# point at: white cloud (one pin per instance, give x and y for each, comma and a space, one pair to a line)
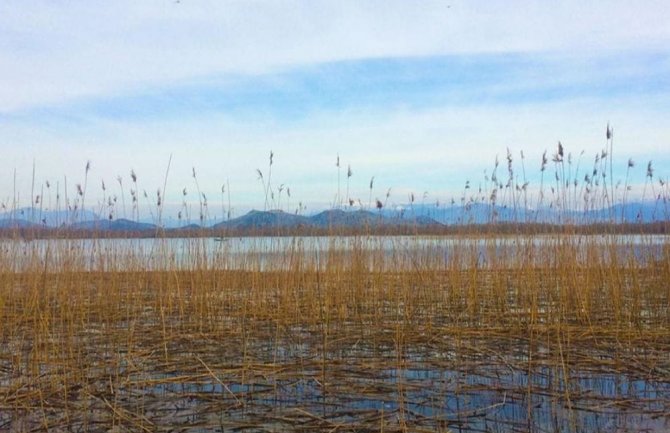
53, 52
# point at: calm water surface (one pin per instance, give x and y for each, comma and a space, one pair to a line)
263, 253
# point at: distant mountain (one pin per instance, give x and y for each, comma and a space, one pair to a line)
400, 217
482, 213
265, 219
475, 213
635, 212
113, 225
339, 218
9, 223
420, 220
328, 219
52, 218
363, 218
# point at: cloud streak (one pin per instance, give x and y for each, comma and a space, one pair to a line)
61, 52
422, 98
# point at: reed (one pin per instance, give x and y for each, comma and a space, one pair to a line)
476, 331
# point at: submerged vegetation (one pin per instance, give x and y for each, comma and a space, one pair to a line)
475, 331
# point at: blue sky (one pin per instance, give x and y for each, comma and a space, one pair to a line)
422, 98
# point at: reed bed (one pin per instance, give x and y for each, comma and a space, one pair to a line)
491, 328
566, 333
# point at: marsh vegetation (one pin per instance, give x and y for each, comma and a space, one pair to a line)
468, 332
566, 334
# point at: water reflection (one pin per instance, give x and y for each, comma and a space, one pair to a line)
494, 398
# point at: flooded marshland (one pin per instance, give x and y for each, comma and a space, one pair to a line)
555, 334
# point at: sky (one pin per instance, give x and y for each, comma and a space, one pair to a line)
422, 96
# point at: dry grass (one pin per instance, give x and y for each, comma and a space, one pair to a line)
366, 335
470, 332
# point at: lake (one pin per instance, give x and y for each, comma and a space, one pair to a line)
274, 253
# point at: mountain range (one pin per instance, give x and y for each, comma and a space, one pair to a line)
328, 219
409, 216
